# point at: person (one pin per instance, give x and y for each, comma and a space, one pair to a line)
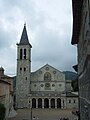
34, 118
37, 118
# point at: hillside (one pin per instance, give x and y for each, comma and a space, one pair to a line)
69, 75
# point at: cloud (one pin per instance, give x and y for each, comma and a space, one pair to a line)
49, 26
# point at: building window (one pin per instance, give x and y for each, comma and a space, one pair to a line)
47, 84
20, 53
20, 69
47, 68
60, 85
35, 85
74, 101
54, 72
26, 78
24, 69
24, 53
42, 85
53, 85
47, 76
69, 101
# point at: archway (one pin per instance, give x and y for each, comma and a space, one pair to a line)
58, 103
33, 103
52, 103
39, 103
46, 103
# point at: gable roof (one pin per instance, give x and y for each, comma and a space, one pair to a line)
47, 65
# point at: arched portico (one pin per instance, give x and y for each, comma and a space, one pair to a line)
46, 103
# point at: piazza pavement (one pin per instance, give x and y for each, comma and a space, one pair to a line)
43, 114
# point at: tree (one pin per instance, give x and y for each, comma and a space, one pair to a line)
2, 111
75, 85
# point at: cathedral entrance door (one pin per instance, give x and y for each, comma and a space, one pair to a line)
46, 103
33, 103
52, 103
58, 103
39, 103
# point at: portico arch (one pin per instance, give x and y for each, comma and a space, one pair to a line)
39, 103
46, 103
33, 103
52, 103
58, 103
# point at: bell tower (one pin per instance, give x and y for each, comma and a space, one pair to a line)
23, 70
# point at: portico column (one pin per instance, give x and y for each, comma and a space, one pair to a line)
42, 103
36, 103
49, 103
55, 102
30, 103
62, 103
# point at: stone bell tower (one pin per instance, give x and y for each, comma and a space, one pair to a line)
23, 70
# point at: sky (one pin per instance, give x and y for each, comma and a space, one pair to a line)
49, 29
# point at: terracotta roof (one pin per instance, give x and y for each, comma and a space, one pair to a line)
2, 81
69, 94
77, 9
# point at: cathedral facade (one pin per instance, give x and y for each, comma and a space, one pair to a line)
44, 88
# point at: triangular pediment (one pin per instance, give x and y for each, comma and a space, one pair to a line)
48, 67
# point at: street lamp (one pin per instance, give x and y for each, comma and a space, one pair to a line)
30, 110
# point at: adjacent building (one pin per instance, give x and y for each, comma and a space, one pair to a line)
81, 37
6, 91
43, 88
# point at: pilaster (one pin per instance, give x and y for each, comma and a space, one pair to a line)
49, 103
42, 103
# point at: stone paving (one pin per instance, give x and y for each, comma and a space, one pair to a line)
43, 114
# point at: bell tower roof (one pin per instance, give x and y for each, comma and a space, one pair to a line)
24, 37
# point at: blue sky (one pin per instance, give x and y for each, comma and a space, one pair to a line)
49, 28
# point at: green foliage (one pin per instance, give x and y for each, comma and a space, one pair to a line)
75, 85
2, 111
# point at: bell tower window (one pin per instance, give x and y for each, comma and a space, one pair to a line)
24, 69
20, 53
24, 53
20, 69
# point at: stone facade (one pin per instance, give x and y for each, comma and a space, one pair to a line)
44, 88
81, 36
4, 95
